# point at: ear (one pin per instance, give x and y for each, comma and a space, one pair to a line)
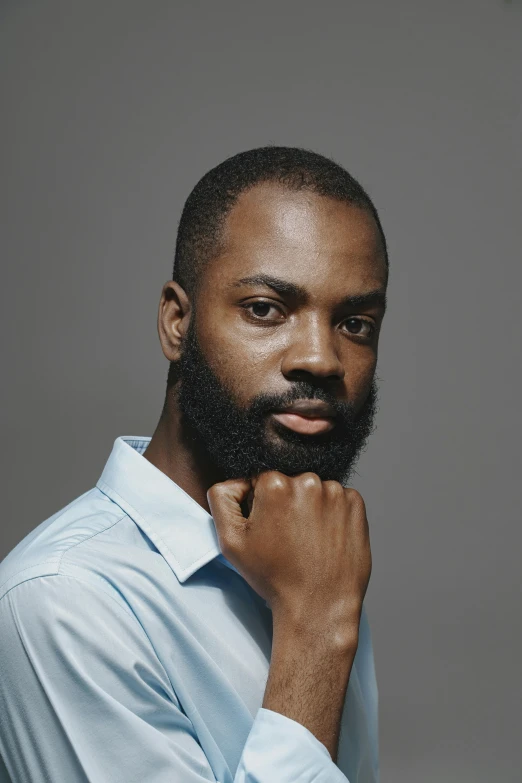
173, 319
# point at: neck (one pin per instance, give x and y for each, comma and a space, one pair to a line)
173, 451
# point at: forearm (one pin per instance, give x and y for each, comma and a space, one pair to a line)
308, 679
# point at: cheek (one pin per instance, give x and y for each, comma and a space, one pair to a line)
359, 370
362, 374
241, 367
365, 369
229, 345
363, 380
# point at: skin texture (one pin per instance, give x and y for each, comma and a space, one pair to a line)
271, 491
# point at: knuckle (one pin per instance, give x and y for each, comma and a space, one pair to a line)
212, 491
309, 480
357, 512
355, 498
216, 490
333, 488
273, 480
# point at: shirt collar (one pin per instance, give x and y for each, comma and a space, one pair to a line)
183, 532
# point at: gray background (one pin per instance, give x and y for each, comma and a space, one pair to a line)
111, 112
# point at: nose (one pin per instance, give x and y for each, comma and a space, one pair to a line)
313, 350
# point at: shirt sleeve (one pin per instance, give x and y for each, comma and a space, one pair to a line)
281, 750
84, 699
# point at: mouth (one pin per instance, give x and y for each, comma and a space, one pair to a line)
309, 425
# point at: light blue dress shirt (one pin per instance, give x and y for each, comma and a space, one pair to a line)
132, 652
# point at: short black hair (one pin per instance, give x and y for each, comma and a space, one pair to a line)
212, 198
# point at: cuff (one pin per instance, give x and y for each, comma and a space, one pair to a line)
281, 750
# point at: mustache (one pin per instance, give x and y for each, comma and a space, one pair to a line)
264, 404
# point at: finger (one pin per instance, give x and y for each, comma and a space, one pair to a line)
224, 500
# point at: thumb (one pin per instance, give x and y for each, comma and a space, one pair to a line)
224, 499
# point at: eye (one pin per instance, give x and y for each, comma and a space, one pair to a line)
261, 306
361, 323
262, 309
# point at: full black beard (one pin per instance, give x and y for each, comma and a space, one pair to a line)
238, 441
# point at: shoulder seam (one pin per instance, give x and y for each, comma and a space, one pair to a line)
80, 581
56, 561
88, 538
21, 571
127, 612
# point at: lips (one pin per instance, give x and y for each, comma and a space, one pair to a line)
306, 416
310, 409
309, 425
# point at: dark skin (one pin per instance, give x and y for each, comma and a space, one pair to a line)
271, 525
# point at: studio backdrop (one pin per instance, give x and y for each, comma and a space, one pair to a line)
111, 111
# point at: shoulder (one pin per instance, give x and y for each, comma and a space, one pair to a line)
52, 544
69, 638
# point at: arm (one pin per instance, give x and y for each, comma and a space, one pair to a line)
304, 547
84, 699
308, 678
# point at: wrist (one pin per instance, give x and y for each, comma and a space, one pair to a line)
303, 629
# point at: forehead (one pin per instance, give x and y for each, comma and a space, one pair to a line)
300, 234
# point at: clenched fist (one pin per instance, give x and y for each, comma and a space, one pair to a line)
304, 547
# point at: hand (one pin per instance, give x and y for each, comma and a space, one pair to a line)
304, 547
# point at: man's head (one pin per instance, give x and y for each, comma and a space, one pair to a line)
303, 326
200, 230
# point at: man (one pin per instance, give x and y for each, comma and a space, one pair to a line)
199, 614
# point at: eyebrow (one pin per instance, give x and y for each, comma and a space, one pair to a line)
284, 287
